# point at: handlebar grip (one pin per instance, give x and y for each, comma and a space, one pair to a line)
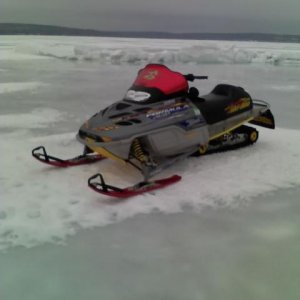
191, 77
201, 77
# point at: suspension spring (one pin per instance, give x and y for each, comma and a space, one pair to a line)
138, 151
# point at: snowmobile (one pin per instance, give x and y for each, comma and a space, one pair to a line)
160, 121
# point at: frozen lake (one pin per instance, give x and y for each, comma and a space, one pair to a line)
229, 230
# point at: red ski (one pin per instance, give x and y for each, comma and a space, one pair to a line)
98, 184
41, 155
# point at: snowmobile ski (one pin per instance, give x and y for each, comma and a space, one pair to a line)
98, 184
41, 155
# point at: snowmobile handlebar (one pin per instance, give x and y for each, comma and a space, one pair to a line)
192, 77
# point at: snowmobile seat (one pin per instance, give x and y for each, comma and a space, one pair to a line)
216, 105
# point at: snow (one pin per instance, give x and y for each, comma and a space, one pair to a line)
41, 204
38, 118
232, 219
141, 51
12, 87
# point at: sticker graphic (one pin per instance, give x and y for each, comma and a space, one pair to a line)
137, 95
167, 111
151, 75
238, 105
106, 128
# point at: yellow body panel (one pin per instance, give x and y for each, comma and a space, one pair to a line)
103, 151
229, 129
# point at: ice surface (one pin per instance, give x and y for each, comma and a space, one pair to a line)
224, 243
38, 118
249, 252
133, 51
11, 87
42, 204
8, 47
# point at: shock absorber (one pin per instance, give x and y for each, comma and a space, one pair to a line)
138, 151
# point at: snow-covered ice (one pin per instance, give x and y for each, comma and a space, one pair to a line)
120, 51
42, 204
47, 101
12, 87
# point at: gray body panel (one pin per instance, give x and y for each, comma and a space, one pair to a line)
167, 128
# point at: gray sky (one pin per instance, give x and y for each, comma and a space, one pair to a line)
274, 16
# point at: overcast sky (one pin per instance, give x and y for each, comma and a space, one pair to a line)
274, 16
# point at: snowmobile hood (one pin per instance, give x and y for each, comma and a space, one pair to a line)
157, 98
126, 119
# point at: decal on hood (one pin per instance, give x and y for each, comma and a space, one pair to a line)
167, 111
137, 95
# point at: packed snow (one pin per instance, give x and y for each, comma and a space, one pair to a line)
11, 87
41, 204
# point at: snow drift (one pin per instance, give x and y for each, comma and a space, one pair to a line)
141, 51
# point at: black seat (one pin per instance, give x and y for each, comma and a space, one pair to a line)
213, 105
228, 90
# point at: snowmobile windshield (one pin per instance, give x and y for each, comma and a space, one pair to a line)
155, 83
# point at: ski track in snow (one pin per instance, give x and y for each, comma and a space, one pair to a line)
41, 204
